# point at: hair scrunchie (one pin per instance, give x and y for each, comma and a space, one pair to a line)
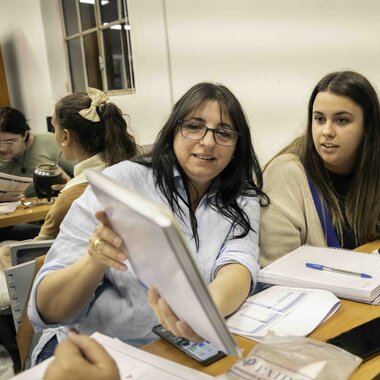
97, 98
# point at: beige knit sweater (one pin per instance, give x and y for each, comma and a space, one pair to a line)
291, 219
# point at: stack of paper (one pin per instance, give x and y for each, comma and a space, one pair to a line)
132, 363
293, 311
348, 274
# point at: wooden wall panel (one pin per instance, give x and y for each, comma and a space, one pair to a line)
4, 96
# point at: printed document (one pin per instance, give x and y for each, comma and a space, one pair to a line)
280, 309
12, 187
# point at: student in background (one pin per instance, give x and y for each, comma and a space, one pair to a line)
324, 187
202, 167
21, 151
92, 132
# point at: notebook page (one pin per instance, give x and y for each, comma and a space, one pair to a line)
292, 271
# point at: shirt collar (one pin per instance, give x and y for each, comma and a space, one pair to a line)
178, 182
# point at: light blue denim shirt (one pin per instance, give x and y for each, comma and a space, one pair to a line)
119, 306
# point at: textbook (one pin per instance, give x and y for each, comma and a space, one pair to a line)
348, 274
12, 187
158, 255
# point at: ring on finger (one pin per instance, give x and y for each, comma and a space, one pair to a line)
96, 244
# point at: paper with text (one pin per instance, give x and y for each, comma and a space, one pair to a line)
294, 311
12, 187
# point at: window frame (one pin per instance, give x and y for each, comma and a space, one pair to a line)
98, 29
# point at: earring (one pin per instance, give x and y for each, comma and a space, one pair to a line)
63, 144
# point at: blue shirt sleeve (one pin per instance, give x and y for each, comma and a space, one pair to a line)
244, 251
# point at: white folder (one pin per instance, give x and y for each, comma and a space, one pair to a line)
159, 255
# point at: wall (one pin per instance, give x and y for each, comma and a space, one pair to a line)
270, 53
22, 40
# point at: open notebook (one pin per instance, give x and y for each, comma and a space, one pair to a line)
159, 255
291, 270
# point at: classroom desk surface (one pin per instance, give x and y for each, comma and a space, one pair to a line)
349, 315
24, 214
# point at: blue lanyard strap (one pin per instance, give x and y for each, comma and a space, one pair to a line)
324, 217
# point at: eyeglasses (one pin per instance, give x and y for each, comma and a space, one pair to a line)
8, 143
195, 130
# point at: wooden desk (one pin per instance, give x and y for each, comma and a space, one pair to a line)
349, 315
24, 214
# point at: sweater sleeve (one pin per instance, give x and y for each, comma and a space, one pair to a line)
62, 204
283, 225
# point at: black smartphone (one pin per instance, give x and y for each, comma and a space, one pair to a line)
204, 352
363, 340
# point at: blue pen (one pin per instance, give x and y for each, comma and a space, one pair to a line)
336, 270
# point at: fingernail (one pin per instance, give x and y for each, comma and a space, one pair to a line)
122, 267
117, 242
66, 331
122, 256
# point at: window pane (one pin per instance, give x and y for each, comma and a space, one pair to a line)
107, 63
129, 80
91, 50
108, 11
70, 16
76, 65
87, 15
124, 12
117, 56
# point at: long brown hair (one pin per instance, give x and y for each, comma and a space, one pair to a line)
108, 137
362, 206
242, 176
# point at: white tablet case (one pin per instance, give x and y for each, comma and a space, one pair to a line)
159, 256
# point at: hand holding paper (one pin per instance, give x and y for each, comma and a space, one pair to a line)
105, 245
81, 357
168, 319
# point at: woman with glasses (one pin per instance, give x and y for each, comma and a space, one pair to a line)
21, 151
202, 167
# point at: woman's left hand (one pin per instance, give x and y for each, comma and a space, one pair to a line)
168, 319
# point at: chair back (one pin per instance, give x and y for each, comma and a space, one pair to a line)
19, 281
23, 251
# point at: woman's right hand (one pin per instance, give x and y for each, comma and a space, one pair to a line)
105, 246
81, 357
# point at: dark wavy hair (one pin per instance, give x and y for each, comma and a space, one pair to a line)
13, 121
108, 137
362, 206
242, 176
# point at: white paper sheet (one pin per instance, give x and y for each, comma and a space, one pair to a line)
132, 362
293, 311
